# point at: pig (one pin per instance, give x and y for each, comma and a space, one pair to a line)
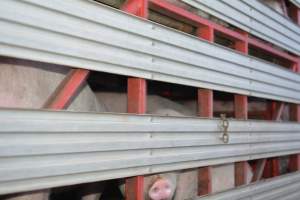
26, 84
172, 185
162, 186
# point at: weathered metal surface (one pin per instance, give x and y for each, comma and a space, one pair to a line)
42, 149
107, 40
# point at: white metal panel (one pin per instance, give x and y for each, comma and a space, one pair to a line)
279, 188
296, 2
40, 149
255, 18
85, 34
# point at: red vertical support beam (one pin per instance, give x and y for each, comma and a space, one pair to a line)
272, 164
271, 168
205, 103
294, 163
241, 106
134, 188
136, 7
204, 181
294, 12
206, 32
242, 45
240, 173
136, 101
136, 95
205, 109
241, 112
241, 101
67, 89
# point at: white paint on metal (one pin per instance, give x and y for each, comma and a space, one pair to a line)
279, 188
255, 18
89, 35
44, 149
296, 2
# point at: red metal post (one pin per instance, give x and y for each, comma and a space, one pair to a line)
242, 45
294, 163
240, 173
204, 181
67, 89
136, 95
136, 7
134, 188
294, 12
272, 164
136, 101
206, 32
271, 168
205, 103
241, 106
205, 109
241, 112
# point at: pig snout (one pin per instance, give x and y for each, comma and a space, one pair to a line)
161, 190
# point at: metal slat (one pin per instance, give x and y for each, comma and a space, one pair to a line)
296, 2
40, 149
255, 18
282, 187
104, 39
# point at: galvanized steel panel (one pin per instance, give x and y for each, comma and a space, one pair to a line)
280, 188
89, 35
40, 149
255, 18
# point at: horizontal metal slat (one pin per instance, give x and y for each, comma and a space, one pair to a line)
255, 18
282, 187
108, 40
296, 2
41, 149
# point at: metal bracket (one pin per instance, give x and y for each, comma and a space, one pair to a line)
224, 126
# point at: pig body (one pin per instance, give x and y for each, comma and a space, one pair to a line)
28, 85
164, 186
184, 183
